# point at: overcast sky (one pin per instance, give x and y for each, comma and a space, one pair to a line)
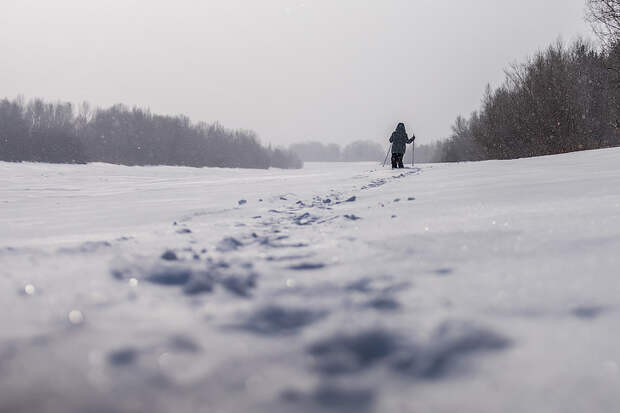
329, 70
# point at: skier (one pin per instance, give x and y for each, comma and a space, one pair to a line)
399, 140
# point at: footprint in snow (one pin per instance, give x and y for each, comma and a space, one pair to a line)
191, 276
307, 266
383, 304
305, 219
278, 320
123, 357
435, 358
169, 255
229, 244
588, 312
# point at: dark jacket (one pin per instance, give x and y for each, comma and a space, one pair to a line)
399, 139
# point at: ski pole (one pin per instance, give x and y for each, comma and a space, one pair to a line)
387, 154
412, 153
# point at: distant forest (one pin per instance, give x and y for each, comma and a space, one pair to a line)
566, 98
40, 131
358, 151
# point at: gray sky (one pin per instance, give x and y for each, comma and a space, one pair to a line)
329, 70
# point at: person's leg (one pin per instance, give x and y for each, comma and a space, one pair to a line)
394, 160
400, 160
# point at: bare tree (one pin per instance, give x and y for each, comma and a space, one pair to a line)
604, 16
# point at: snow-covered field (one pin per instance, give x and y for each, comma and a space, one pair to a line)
475, 287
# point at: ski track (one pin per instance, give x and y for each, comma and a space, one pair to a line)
280, 326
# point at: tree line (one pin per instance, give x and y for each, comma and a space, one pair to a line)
565, 98
358, 151
40, 131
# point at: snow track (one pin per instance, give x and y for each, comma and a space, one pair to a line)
475, 287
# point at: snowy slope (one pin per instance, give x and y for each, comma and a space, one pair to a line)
475, 287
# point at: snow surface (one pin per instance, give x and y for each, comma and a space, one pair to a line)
473, 287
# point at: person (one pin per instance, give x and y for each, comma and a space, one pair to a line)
399, 140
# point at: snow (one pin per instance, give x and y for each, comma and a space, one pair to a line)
477, 287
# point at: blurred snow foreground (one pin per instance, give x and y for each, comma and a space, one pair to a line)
476, 287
